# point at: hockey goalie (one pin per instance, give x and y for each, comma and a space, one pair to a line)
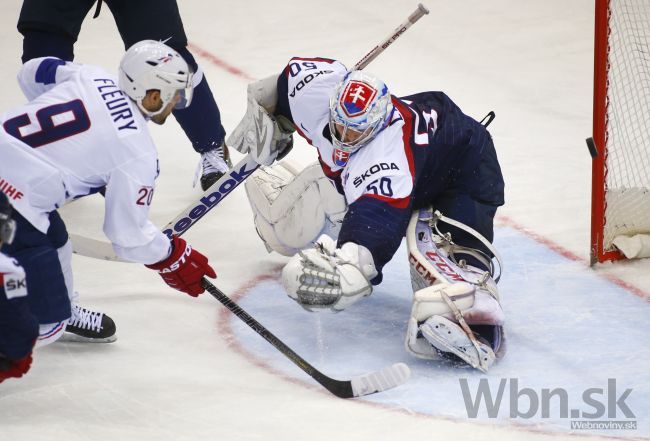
389, 168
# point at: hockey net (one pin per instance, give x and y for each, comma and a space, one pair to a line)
621, 169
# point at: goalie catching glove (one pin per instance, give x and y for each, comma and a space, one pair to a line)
184, 268
326, 277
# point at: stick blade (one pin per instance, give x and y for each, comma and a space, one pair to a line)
387, 378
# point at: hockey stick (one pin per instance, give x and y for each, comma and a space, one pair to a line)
210, 198
219, 190
415, 16
366, 384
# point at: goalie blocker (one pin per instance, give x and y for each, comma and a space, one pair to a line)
292, 209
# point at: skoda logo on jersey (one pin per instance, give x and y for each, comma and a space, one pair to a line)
340, 157
356, 98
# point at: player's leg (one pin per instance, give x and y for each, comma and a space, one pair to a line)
51, 27
474, 202
48, 295
474, 214
84, 325
456, 313
43, 257
18, 332
201, 121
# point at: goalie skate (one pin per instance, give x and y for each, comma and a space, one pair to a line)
447, 336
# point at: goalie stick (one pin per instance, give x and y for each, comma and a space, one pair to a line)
366, 384
210, 198
381, 47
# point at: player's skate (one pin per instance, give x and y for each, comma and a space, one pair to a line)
448, 336
456, 314
89, 326
213, 165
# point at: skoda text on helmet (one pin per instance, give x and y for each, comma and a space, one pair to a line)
360, 108
152, 65
7, 224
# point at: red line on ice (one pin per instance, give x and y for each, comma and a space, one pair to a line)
507, 221
209, 56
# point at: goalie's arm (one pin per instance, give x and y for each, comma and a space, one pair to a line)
377, 225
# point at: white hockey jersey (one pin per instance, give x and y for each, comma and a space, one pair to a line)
77, 134
430, 154
379, 169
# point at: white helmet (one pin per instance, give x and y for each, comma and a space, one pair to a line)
152, 65
361, 103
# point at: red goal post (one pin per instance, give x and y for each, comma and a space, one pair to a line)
620, 213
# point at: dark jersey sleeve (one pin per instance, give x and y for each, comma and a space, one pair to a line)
378, 226
282, 107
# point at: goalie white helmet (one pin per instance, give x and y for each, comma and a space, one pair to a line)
360, 108
152, 65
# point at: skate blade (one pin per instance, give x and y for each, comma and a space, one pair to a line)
69, 337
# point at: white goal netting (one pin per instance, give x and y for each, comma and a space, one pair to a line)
627, 175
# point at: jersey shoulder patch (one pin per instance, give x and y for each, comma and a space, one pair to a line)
12, 278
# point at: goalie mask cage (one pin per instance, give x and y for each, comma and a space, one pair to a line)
621, 126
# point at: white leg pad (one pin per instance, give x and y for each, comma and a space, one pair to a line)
293, 208
428, 302
434, 327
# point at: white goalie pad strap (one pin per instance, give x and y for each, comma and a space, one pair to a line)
326, 277
429, 264
258, 132
477, 235
292, 209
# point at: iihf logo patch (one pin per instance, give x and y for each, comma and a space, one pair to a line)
356, 98
340, 157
